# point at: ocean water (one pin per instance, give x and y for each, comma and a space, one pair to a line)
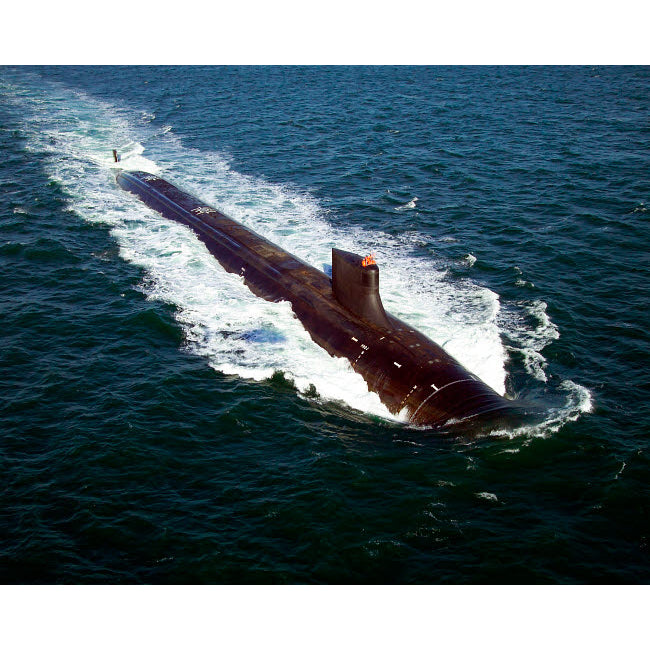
160, 424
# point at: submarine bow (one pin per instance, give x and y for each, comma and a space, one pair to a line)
413, 376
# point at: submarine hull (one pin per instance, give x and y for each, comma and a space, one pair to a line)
413, 376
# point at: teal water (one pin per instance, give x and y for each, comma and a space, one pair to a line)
160, 424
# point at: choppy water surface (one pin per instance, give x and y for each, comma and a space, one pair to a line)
159, 423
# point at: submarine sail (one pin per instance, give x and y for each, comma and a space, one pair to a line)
412, 375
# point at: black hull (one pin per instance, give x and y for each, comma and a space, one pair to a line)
412, 375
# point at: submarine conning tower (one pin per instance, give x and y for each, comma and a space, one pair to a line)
356, 286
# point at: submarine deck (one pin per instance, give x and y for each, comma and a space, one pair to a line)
410, 372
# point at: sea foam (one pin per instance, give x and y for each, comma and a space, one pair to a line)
237, 332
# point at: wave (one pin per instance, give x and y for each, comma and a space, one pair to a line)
410, 205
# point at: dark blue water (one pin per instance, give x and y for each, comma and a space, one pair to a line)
158, 423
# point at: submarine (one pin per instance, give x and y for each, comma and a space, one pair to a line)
412, 375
